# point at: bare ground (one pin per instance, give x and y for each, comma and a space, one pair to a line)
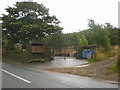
101, 70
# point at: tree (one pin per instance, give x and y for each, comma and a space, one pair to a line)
28, 21
75, 40
54, 41
83, 41
100, 34
113, 34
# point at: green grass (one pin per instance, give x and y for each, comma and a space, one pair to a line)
116, 68
92, 61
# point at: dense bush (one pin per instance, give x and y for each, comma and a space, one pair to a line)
24, 56
16, 55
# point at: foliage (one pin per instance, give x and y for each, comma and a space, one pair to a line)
116, 68
113, 34
28, 21
100, 35
118, 65
16, 55
72, 39
54, 41
83, 41
92, 61
75, 40
17, 47
101, 55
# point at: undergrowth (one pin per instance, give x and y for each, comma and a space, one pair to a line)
101, 54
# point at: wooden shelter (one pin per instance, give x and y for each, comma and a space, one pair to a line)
38, 50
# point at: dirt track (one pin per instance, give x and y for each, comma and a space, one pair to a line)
100, 70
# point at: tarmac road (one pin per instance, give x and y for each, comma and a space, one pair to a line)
16, 76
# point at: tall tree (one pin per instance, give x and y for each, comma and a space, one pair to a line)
100, 34
113, 34
54, 41
28, 21
83, 41
75, 40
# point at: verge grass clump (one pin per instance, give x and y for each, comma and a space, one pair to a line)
116, 68
112, 51
101, 54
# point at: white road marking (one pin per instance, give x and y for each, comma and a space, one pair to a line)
15, 76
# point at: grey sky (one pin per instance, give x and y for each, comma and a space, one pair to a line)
73, 14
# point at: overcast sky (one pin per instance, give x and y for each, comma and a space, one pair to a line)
74, 14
